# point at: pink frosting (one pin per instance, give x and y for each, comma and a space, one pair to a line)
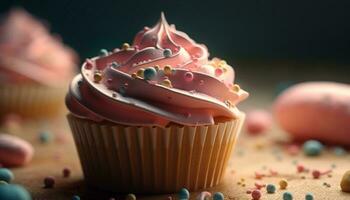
192, 91
28, 53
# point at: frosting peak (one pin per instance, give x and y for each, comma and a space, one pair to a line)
163, 77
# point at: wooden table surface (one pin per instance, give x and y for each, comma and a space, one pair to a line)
251, 154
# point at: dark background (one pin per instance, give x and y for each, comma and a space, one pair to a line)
308, 39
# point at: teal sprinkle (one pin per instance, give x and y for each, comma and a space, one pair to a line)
14, 192
270, 188
104, 52
149, 73
75, 197
312, 148
309, 196
339, 151
218, 196
184, 194
287, 196
6, 175
45, 136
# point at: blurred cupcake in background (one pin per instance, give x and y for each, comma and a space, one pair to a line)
35, 67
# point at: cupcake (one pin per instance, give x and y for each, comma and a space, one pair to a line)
35, 68
155, 116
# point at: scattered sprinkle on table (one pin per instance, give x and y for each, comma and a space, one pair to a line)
345, 182
75, 197
6, 175
283, 184
45, 136
184, 194
270, 188
66, 172
49, 182
256, 194
309, 196
287, 196
218, 196
312, 148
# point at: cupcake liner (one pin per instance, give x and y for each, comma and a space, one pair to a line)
32, 101
153, 159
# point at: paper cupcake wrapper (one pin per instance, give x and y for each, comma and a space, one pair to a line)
32, 101
153, 159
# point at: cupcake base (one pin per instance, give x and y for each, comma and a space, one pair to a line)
153, 159
31, 101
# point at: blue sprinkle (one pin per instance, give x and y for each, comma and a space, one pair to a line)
14, 192
6, 175
218, 196
312, 148
270, 188
104, 52
75, 197
287, 196
309, 196
167, 53
114, 64
45, 136
122, 90
149, 73
184, 194
339, 151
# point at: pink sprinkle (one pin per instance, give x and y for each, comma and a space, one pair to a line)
293, 149
88, 64
300, 168
218, 71
273, 172
316, 174
256, 194
259, 185
188, 76
259, 175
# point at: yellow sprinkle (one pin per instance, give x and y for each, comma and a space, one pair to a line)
236, 88
125, 46
156, 67
242, 179
134, 75
97, 77
283, 184
222, 63
167, 83
140, 72
167, 70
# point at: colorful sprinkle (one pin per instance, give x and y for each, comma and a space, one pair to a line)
140, 72
14, 192
256, 194
309, 196
76, 197
104, 52
130, 197
316, 174
218, 71
125, 46
345, 182
204, 195
149, 73
45, 136
283, 184
167, 53
97, 77
184, 194
312, 148
88, 64
339, 151
6, 175
188, 76
287, 196
114, 64
218, 196
66, 172
270, 188
3, 183
49, 182
167, 83
167, 70
236, 88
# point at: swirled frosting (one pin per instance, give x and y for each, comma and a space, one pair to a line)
163, 77
29, 54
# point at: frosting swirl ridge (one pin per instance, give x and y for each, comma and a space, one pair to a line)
163, 77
